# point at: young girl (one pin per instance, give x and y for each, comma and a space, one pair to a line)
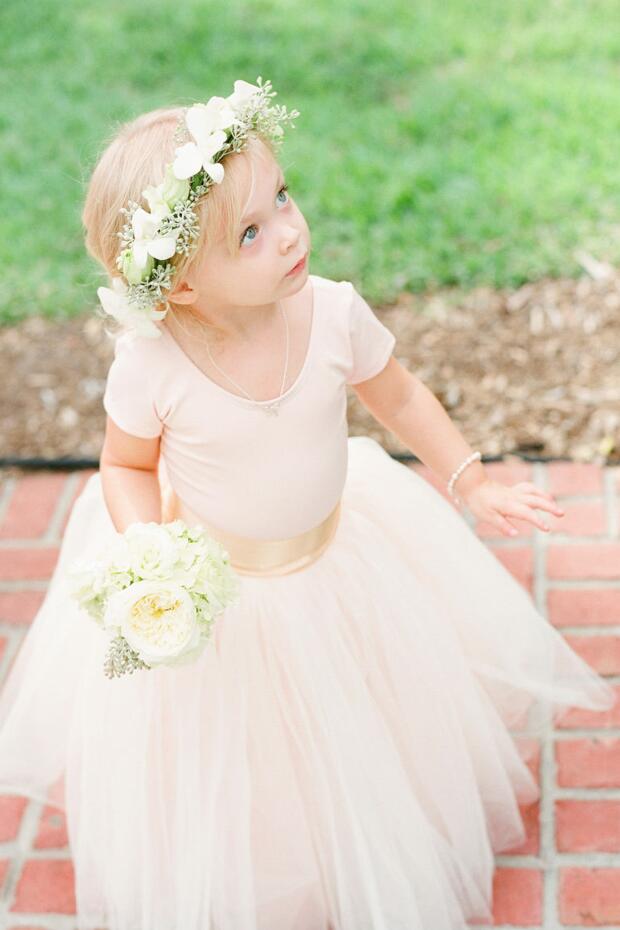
340, 755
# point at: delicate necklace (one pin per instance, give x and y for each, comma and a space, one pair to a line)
270, 407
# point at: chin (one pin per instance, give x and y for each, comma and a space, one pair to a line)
296, 282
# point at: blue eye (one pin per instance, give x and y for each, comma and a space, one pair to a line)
283, 188
253, 226
245, 233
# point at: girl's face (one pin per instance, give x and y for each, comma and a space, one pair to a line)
271, 238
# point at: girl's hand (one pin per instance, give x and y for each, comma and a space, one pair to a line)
494, 502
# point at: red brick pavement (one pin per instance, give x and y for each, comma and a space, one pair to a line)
567, 872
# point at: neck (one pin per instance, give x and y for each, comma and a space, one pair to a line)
234, 324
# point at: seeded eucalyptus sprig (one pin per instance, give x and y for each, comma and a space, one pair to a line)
121, 659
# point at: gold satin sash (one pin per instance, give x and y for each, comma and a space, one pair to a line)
250, 556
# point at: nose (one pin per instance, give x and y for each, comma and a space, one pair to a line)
289, 240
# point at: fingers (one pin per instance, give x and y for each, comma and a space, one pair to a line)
522, 502
542, 500
499, 520
541, 503
530, 488
524, 512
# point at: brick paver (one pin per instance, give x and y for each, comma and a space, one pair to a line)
566, 873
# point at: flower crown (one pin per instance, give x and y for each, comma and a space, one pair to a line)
149, 238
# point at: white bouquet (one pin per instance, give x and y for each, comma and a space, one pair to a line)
157, 591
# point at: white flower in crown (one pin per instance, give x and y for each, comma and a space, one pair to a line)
114, 301
242, 94
207, 124
147, 241
162, 198
150, 239
193, 156
130, 268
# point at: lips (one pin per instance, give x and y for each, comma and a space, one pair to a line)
298, 266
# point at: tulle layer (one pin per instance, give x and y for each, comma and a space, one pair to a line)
339, 758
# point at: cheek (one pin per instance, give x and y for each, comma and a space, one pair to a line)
255, 263
302, 222
295, 211
251, 254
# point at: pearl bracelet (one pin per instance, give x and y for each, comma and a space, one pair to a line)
459, 471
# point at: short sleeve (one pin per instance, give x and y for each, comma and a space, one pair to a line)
128, 397
372, 343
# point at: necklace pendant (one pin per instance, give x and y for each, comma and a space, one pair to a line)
271, 409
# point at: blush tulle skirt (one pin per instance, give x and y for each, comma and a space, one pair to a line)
348, 753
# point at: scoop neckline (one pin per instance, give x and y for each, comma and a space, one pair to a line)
240, 397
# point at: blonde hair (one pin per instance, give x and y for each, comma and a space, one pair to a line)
134, 157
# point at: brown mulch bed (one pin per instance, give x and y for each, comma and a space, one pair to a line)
535, 370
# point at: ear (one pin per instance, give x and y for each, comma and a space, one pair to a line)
183, 294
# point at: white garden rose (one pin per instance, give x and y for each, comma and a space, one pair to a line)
151, 552
158, 620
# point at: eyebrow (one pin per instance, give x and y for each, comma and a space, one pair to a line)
251, 216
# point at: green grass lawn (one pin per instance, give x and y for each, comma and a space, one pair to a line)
439, 143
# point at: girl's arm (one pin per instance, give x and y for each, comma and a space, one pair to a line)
129, 479
400, 401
